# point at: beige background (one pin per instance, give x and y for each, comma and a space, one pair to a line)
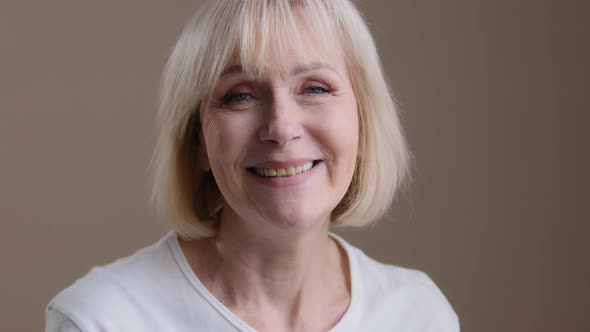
494, 97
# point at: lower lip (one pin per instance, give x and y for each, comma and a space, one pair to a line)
286, 181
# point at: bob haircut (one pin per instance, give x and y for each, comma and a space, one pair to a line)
256, 32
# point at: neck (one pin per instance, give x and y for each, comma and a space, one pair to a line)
282, 273
277, 265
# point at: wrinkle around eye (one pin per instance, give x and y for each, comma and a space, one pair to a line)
221, 105
236, 97
209, 119
317, 90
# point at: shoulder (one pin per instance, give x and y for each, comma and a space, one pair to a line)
121, 291
56, 321
399, 295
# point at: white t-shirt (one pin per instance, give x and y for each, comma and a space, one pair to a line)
155, 289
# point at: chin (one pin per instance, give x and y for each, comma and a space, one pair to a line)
296, 221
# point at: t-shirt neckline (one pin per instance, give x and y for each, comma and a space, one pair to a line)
232, 318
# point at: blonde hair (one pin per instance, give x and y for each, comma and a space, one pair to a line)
254, 31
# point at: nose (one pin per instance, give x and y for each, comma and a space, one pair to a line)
282, 121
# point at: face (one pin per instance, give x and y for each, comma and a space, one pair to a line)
282, 146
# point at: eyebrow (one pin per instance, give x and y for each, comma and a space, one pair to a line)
231, 70
300, 69
297, 70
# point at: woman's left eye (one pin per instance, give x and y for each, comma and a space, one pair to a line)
317, 90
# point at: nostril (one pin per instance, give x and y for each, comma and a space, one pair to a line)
280, 132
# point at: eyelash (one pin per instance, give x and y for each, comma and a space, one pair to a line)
321, 88
238, 97
231, 98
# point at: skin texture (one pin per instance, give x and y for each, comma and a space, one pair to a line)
272, 262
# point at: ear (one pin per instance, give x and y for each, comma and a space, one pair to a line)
200, 150
203, 159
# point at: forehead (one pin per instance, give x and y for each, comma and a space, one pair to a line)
303, 39
296, 69
287, 66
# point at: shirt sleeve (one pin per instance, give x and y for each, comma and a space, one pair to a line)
56, 321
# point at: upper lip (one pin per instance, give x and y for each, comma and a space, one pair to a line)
283, 163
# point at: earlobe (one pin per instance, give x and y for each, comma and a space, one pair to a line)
203, 160
200, 151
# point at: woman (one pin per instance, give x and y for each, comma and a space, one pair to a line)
275, 123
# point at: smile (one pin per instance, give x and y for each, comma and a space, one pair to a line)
284, 172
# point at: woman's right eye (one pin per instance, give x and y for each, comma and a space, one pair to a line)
238, 97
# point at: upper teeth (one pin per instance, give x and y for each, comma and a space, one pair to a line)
290, 171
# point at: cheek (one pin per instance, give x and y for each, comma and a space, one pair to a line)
225, 135
338, 130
